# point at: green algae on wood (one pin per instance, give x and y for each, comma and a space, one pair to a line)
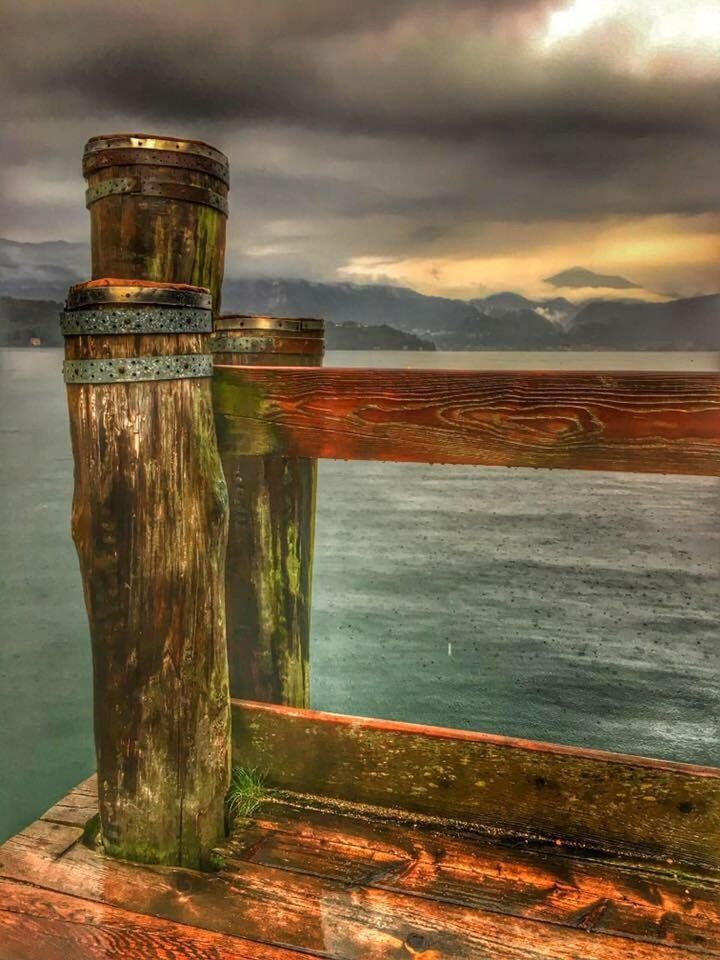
272, 523
150, 526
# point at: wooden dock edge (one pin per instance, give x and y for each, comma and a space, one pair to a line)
623, 804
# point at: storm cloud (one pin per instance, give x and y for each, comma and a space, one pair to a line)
397, 139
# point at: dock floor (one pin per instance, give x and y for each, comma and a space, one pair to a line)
300, 880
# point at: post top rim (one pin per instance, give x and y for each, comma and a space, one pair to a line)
248, 322
132, 282
151, 141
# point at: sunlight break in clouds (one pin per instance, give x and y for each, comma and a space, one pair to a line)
684, 252
687, 30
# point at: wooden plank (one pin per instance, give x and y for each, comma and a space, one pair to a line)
338, 921
37, 923
359, 923
646, 807
645, 422
79, 806
628, 899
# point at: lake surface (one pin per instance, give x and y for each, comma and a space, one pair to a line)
576, 607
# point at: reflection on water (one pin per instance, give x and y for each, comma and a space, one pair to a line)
574, 607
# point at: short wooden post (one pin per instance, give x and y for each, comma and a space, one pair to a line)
150, 524
272, 525
158, 209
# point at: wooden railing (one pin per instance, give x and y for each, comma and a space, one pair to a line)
150, 518
643, 422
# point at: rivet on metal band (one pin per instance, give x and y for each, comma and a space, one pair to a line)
136, 369
241, 344
190, 193
84, 296
140, 319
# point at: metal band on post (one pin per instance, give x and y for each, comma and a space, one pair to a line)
120, 149
139, 319
134, 369
131, 293
241, 323
241, 344
171, 190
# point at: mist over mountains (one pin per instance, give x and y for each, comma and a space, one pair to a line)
34, 278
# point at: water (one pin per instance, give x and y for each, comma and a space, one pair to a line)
567, 606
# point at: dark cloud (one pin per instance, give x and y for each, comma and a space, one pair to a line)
394, 127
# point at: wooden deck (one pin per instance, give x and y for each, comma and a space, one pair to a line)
306, 879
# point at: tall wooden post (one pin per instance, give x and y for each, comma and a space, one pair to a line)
272, 526
150, 524
158, 209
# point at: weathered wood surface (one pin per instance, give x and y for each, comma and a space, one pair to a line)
645, 422
608, 801
77, 808
344, 889
550, 885
270, 542
38, 924
149, 522
177, 239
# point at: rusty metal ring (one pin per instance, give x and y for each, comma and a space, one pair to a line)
140, 141
139, 186
241, 323
136, 369
241, 344
142, 318
168, 296
124, 157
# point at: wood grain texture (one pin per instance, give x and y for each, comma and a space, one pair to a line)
338, 920
79, 806
621, 804
270, 550
645, 422
347, 888
38, 924
553, 884
149, 522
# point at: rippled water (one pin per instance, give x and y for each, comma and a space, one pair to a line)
568, 606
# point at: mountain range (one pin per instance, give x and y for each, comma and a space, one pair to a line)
34, 277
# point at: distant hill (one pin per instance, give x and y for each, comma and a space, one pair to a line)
689, 324
34, 277
21, 320
24, 320
42, 271
500, 304
580, 277
368, 304
354, 336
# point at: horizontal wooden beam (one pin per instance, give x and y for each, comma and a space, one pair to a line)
644, 422
607, 801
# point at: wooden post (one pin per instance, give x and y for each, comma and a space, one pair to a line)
272, 526
150, 524
158, 209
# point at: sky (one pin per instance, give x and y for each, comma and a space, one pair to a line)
460, 148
